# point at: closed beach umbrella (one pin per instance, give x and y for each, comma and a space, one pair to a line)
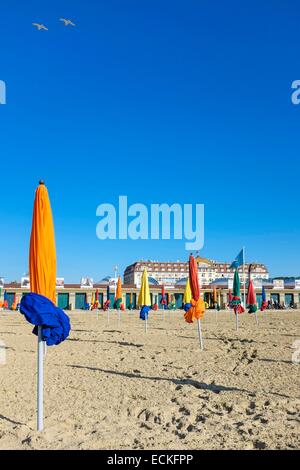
39, 307
197, 309
215, 296
97, 298
236, 297
251, 298
163, 297
264, 303
187, 296
42, 254
118, 300
5, 300
144, 299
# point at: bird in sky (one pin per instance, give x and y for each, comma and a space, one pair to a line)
40, 26
67, 22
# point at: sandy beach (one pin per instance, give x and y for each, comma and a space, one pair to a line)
113, 387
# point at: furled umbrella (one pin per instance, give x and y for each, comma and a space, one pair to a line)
107, 303
144, 299
251, 298
52, 325
97, 302
187, 296
264, 302
236, 298
118, 300
14, 304
197, 309
5, 300
163, 300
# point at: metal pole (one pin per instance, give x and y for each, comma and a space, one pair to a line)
146, 323
236, 320
40, 417
200, 334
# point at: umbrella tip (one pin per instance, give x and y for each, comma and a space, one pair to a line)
41, 182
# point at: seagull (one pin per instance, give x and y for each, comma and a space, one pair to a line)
40, 26
67, 22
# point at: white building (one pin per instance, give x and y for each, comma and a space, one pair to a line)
170, 273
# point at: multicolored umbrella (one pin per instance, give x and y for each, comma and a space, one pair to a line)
144, 299
197, 309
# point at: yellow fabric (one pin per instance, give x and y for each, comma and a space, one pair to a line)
187, 293
196, 311
144, 295
42, 252
119, 289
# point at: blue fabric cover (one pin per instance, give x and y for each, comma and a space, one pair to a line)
187, 307
144, 312
40, 311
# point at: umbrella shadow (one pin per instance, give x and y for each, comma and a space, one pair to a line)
199, 385
111, 331
275, 360
84, 340
125, 343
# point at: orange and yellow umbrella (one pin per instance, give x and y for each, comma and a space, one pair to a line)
197, 308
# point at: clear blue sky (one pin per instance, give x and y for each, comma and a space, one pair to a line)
163, 101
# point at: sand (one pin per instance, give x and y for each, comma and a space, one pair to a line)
113, 387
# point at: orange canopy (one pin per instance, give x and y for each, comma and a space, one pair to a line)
42, 252
119, 289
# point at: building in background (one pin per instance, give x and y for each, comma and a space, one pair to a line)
171, 273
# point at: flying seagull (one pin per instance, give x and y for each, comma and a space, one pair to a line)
67, 22
40, 26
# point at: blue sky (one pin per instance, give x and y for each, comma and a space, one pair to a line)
162, 101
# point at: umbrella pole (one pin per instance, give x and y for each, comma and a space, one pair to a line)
119, 317
256, 318
108, 316
236, 321
146, 323
40, 419
200, 334
216, 315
